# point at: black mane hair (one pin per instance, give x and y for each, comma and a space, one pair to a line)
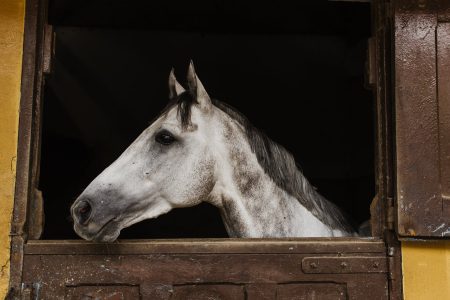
276, 161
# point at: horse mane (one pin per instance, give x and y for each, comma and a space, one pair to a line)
276, 161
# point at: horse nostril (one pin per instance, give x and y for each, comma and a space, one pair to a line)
84, 210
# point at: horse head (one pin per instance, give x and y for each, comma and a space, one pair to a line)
169, 165
197, 150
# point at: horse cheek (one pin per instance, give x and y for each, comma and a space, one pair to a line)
199, 181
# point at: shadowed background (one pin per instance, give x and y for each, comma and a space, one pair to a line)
296, 71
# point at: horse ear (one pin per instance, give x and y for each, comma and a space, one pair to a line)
196, 87
174, 87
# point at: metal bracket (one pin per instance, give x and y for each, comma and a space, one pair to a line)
344, 265
392, 263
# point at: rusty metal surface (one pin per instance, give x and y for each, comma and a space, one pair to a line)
344, 264
218, 273
198, 246
421, 136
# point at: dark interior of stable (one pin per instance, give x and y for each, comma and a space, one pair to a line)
296, 70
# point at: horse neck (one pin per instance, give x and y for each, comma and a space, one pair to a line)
251, 204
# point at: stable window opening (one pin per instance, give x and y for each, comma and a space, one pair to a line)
297, 72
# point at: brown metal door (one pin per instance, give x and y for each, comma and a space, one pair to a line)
422, 88
205, 269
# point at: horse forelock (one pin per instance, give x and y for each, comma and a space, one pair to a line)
276, 161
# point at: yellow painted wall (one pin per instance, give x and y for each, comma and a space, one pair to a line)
426, 270
11, 44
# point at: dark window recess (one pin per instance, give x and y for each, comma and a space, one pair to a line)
110, 75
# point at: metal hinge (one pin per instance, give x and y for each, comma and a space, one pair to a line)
344, 265
391, 263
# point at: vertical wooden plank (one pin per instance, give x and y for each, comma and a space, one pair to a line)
383, 207
417, 120
28, 136
443, 72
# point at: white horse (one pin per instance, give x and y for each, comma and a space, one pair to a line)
197, 150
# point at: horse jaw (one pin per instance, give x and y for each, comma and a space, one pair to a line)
156, 210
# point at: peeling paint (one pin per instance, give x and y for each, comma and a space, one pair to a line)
3, 267
439, 227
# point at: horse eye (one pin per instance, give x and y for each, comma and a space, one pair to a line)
165, 138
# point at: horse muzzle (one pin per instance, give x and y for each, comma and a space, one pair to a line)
83, 214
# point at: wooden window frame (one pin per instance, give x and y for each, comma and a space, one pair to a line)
27, 219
